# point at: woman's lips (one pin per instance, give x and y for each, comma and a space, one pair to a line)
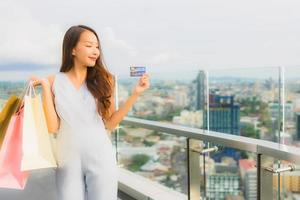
92, 58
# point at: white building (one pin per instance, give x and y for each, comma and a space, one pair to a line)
189, 118
181, 99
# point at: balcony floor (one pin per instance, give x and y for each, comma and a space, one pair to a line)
40, 185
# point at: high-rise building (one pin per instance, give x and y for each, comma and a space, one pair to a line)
181, 99
275, 110
224, 115
201, 84
248, 174
250, 184
289, 181
197, 90
219, 186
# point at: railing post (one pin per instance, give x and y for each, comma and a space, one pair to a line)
264, 178
193, 166
258, 179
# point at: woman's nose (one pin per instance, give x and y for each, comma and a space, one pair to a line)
96, 51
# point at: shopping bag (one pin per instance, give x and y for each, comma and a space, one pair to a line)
36, 145
11, 175
6, 114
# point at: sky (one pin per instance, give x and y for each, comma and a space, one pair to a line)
166, 36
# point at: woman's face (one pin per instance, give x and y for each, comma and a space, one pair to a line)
87, 50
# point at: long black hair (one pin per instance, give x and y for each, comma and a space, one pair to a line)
99, 80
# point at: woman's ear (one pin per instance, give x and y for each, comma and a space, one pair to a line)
73, 52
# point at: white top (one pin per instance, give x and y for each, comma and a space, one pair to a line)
82, 131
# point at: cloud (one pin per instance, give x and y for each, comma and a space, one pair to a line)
161, 58
26, 39
118, 53
180, 37
117, 44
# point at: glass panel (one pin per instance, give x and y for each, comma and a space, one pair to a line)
177, 98
291, 134
229, 174
289, 182
158, 156
245, 102
289, 185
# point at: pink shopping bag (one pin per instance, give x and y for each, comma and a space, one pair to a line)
11, 175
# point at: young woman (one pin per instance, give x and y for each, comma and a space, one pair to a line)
79, 106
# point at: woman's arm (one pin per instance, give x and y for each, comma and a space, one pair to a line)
51, 116
117, 116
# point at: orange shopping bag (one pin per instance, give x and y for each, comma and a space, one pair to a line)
11, 175
7, 112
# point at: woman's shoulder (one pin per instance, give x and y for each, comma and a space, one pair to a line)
51, 79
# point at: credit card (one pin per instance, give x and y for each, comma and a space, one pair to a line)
137, 71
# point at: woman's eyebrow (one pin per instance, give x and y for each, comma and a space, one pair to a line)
91, 42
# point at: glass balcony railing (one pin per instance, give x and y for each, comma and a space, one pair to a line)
218, 165
251, 107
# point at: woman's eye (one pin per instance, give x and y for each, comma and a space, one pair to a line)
91, 46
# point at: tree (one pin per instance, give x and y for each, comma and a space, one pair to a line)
148, 143
137, 161
249, 131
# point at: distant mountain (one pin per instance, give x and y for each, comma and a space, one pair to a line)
232, 78
22, 66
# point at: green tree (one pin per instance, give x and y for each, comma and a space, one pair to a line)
148, 143
137, 161
249, 131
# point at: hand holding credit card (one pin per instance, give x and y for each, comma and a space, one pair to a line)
137, 71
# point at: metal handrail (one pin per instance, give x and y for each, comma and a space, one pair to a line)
275, 150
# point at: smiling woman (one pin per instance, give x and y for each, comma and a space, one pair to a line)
79, 106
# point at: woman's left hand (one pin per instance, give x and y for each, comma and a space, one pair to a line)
142, 84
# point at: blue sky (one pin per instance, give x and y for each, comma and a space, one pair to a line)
164, 35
